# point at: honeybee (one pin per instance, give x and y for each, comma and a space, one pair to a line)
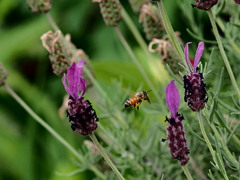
137, 99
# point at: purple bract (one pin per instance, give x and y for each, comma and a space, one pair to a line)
76, 84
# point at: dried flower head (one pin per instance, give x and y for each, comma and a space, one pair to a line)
175, 130
59, 58
152, 23
167, 52
3, 75
111, 11
39, 6
137, 4
195, 89
204, 4
81, 113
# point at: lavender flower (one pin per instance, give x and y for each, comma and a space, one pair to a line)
195, 89
204, 4
175, 129
81, 114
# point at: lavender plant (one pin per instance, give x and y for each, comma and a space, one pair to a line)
125, 143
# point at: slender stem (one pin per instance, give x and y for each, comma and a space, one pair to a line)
105, 156
170, 32
204, 134
231, 42
49, 129
136, 62
187, 173
135, 32
222, 51
224, 146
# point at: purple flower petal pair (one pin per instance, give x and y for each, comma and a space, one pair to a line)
197, 58
75, 84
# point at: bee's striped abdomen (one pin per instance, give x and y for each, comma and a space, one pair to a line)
131, 101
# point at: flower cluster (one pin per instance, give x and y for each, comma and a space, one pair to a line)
195, 89
205, 4
81, 113
39, 6
152, 23
111, 11
175, 130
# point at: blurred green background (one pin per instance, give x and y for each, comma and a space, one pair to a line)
27, 151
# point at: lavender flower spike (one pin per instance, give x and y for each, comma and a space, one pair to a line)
175, 130
81, 114
172, 98
76, 82
195, 89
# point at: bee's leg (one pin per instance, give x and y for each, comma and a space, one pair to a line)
163, 140
137, 105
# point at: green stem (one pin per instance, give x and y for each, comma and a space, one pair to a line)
224, 146
136, 62
222, 51
187, 173
231, 42
204, 134
49, 129
105, 156
135, 32
170, 32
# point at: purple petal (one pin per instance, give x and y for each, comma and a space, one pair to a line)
198, 55
172, 98
187, 56
65, 84
82, 86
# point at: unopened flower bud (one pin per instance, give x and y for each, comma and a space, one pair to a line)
205, 4
152, 23
3, 75
111, 11
39, 6
137, 4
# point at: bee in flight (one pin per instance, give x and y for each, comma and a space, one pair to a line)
137, 99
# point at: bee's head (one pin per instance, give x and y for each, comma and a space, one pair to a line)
145, 93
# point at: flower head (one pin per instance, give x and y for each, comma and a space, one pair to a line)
172, 98
204, 4
175, 130
195, 88
76, 84
81, 114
